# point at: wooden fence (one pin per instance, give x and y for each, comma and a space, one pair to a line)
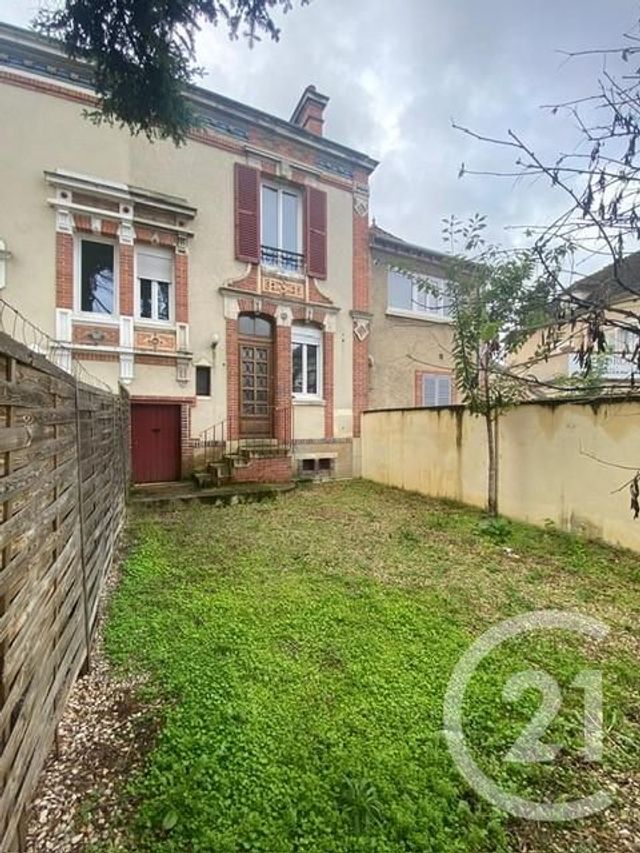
63, 476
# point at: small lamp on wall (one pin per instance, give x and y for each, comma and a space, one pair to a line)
215, 340
4, 257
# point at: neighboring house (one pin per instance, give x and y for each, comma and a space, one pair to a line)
559, 368
411, 361
226, 283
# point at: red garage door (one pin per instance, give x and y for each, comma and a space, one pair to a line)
155, 442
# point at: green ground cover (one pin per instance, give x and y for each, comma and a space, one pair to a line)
304, 646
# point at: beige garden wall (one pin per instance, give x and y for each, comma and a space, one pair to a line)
547, 464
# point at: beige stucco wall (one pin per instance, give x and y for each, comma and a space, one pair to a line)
400, 346
41, 133
547, 469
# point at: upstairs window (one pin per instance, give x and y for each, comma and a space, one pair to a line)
306, 358
412, 297
436, 389
97, 277
281, 237
154, 271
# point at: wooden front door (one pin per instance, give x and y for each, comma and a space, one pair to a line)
155, 442
256, 388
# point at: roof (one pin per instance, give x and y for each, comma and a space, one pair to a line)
385, 241
609, 285
26, 51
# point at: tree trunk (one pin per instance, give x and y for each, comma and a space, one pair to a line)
492, 469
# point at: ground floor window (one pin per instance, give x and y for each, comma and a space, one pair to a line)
436, 389
203, 381
306, 360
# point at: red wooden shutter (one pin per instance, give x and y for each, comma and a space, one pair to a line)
247, 215
316, 237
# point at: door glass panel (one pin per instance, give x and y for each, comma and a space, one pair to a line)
254, 327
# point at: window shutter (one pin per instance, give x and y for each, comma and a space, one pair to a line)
247, 213
429, 391
444, 391
316, 236
436, 390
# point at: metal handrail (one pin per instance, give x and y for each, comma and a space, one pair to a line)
216, 443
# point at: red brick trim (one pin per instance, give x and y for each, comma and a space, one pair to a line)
283, 388
182, 288
187, 401
328, 373
125, 279
156, 360
84, 355
361, 291
276, 469
233, 381
64, 270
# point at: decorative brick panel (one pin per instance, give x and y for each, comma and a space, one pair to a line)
64, 270
329, 379
182, 288
98, 335
157, 341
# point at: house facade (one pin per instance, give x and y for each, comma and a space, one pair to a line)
551, 358
411, 361
226, 282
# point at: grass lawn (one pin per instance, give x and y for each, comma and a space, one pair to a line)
304, 646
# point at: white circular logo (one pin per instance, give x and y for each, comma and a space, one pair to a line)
528, 748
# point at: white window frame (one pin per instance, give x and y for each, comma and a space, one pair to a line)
438, 313
153, 320
108, 319
281, 190
438, 378
308, 335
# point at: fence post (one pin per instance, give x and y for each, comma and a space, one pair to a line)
83, 566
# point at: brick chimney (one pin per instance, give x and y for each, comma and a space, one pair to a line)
309, 113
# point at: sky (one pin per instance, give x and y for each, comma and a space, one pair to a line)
399, 73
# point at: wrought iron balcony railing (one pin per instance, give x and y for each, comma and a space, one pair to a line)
279, 259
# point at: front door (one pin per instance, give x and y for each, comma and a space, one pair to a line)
256, 380
155, 442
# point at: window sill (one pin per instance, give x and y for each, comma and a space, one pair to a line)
308, 401
153, 324
414, 315
89, 317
